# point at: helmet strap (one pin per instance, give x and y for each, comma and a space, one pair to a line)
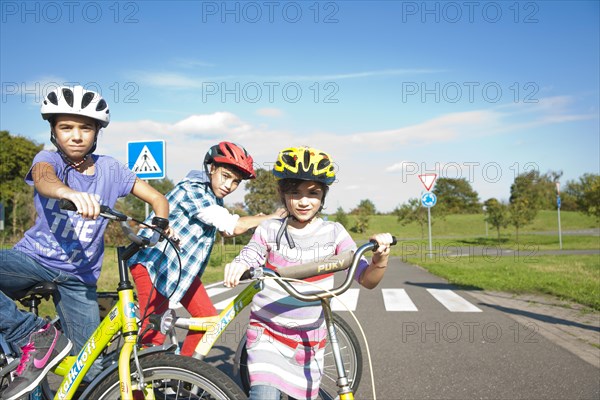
71, 163
284, 231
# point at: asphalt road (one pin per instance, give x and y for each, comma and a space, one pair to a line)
430, 341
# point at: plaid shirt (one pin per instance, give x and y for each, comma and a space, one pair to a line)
186, 199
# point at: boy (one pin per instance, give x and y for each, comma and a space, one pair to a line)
197, 213
66, 247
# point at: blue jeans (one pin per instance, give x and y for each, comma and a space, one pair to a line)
16, 325
76, 302
264, 392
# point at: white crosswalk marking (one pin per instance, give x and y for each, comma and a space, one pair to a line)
452, 301
397, 300
216, 290
394, 300
350, 299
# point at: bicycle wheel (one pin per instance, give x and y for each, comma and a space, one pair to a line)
351, 354
175, 377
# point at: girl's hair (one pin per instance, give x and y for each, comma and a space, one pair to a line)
288, 185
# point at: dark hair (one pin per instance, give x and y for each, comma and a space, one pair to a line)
232, 168
290, 184
52, 122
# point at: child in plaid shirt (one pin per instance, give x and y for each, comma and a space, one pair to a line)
197, 212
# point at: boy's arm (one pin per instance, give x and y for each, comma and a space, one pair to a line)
148, 194
232, 224
48, 185
252, 221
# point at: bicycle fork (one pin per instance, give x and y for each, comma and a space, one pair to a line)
344, 391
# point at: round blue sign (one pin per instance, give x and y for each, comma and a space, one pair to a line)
428, 199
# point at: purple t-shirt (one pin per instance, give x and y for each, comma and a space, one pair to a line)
64, 240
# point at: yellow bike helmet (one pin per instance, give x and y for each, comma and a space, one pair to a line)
305, 163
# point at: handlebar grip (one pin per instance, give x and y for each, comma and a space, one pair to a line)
162, 223
247, 274
68, 205
105, 211
375, 244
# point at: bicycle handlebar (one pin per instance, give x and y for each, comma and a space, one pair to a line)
333, 264
114, 215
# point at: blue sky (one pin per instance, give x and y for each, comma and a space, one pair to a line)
392, 89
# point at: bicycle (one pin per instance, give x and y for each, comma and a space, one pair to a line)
154, 372
343, 354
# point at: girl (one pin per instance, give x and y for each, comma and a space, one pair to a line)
286, 337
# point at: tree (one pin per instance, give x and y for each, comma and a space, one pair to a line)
412, 211
365, 207
522, 212
496, 214
363, 217
340, 216
363, 213
17, 154
262, 194
134, 207
456, 196
586, 193
540, 190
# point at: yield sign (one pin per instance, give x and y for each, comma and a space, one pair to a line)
428, 180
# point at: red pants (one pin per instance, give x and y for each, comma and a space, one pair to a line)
195, 301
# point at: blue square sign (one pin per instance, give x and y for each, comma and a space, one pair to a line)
147, 159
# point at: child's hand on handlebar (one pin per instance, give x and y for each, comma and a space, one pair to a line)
87, 203
233, 272
382, 252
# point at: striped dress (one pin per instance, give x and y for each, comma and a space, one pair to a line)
286, 337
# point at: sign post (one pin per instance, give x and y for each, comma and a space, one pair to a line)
428, 200
1, 216
147, 160
558, 209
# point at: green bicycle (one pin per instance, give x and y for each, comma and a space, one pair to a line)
347, 342
153, 373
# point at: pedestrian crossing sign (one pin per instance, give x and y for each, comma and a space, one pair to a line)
147, 159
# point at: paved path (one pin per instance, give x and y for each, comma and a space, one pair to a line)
565, 323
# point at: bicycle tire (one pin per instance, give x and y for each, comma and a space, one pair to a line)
172, 376
351, 353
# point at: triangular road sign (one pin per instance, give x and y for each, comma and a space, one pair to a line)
428, 180
146, 163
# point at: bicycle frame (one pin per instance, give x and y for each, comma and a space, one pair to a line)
121, 318
216, 325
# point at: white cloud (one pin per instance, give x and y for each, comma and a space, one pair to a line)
172, 80
269, 112
365, 161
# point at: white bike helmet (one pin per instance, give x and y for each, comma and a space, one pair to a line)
77, 101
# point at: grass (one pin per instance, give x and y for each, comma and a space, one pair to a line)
569, 277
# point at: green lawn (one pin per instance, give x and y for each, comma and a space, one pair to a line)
569, 277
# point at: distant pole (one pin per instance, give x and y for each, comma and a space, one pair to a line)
558, 210
485, 219
429, 226
146, 206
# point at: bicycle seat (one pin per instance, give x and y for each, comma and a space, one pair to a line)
41, 290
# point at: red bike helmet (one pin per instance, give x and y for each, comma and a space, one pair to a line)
231, 154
